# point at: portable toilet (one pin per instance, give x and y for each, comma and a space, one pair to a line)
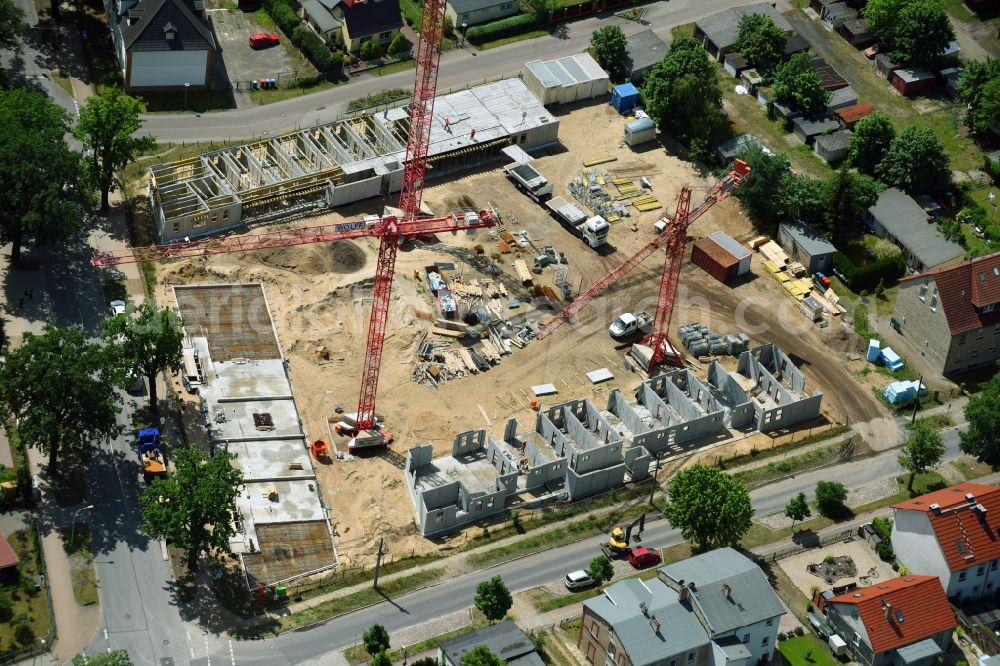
872, 354
639, 131
624, 97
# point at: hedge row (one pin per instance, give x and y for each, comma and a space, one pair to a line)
866, 278
514, 25
329, 63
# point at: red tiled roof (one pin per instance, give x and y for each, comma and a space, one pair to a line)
966, 536
8, 557
919, 610
965, 286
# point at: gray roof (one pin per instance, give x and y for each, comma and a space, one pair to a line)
845, 96
911, 74
466, 6
839, 10
795, 44
145, 26
903, 217
505, 640
733, 648
806, 237
856, 26
680, 629
320, 15
834, 141
812, 126
735, 146
919, 652
645, 49
723, 28
751, 598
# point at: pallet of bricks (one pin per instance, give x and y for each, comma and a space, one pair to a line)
700, 341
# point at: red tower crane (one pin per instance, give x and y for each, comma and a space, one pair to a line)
673, 237
390, 230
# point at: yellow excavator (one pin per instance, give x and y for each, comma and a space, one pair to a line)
618, 543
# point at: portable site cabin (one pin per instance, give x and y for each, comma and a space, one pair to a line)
639, 131
624, 97
565, 80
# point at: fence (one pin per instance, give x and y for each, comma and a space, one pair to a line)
979, 634
795, 549
40, 645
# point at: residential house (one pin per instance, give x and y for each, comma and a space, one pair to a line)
951, 534
719, 32
832, 148
951, 315
506, 640
161, 44
804, 245
906, 621
644, 50
712, 609
471, 12
898, 218
351, 23
8, 562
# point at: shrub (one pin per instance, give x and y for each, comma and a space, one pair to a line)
23, 633
895, 565
883, 528
864, 278
514, 25
884, 552
883, 249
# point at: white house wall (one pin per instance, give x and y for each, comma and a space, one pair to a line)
168, 68
755, 635
917, 548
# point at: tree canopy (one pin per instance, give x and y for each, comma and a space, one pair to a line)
916, 162
923, 451
13, 27
709, 507
682, 93
493, 599
830, 498
870, 141
979, 86
798, 508
113, 658
380, 659
762, 187
195, 506
62, 393
481, 655
601, 569
981, 437
916, 32
607, 45
44, 183
796, 84
399, 44
376, 639
106, 127
147, 341
762, 42
846, 195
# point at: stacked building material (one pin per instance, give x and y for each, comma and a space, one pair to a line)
701, 341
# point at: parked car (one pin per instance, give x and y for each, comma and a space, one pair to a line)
643, 557
262, 40
578, 580
117, 308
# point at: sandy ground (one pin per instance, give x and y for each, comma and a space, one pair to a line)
320, 297
862, 554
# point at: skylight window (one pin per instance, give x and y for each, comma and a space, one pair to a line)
899, 617
960, 546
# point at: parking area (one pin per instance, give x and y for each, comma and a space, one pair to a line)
242, 63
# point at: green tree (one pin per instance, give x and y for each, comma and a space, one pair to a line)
847, 194
870, 141
43, 183
107, 128
541, 8
376, 639
981, 437
493, 599
601, 569
762, 42
682, 93
882, 16
482, 655
194, 507
425, 661
399, 44
146, 341
62, 393
370, 50
979, 86
830, 498
923, 451
761, 189
380, 659
916, 162
922, 33
798, 508
801, 198
113, 658
13, 27
709, 507
607, 45
796, 84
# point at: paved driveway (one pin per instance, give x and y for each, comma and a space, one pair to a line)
242, 63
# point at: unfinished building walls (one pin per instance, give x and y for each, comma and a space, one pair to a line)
736, 402
594, 451
637, 461
776, 387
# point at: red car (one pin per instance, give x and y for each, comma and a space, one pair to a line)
643, 557
263, 39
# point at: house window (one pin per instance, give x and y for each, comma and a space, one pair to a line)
993, 565
764, 641
385, 36
507, 6
934, 301
961, 339
673, 662
746, 638
612, 650
975, 353
923, 292
961, 576
770, 621
225, 215
981, 570
989, 308
177, 227
690, 657
979, 334
464, 18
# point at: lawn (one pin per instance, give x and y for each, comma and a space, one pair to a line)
805, 651
790, 465
970, 468
82, 564
27, 618
260, 96
530, 34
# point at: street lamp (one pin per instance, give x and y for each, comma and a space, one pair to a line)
465, 26
72, 531
186, 87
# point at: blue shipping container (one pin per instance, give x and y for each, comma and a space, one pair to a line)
624, 98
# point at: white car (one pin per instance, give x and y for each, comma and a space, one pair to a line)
117, 308
579, 580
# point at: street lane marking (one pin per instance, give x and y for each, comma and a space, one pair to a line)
163, 550
232, 657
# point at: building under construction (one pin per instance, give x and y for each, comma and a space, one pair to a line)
341, 162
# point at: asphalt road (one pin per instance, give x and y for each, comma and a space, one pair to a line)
459, 67
29, 65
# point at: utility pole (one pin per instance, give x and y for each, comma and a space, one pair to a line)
916, 399
378, 560
652, 487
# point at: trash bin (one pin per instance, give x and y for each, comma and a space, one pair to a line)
253, 85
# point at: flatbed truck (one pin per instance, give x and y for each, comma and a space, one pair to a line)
593, 230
